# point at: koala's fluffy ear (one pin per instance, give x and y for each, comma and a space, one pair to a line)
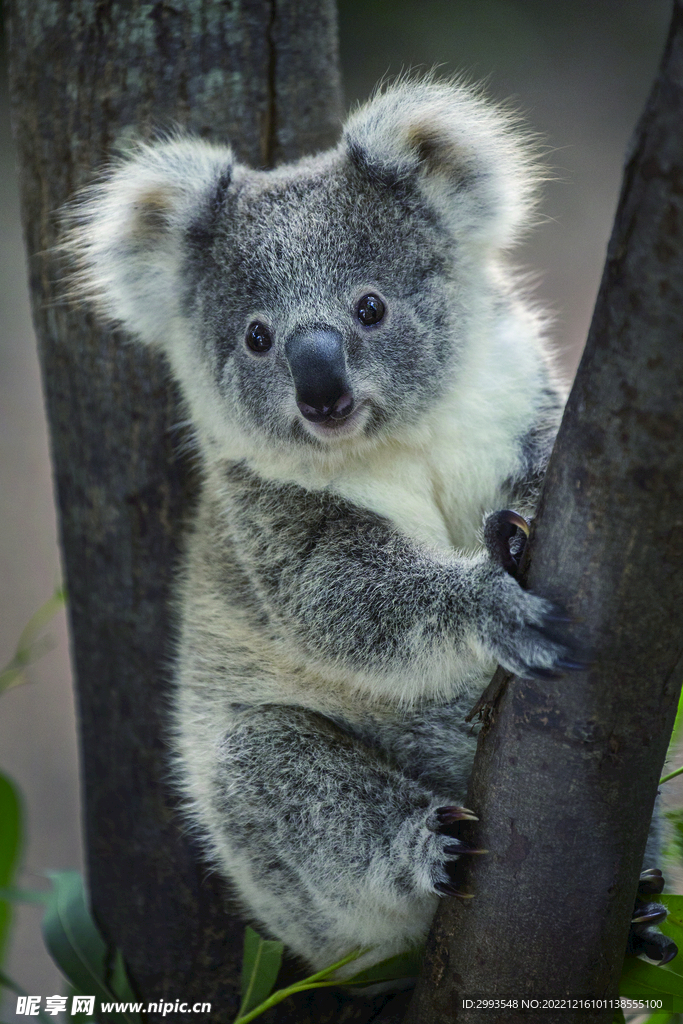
125, 235
467, 158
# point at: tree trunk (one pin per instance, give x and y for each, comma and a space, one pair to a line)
566, 775
86, 75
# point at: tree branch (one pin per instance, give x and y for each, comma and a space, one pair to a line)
566, 776
86, 75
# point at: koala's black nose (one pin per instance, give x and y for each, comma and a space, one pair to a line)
316, 360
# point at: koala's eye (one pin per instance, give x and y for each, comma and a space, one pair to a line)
370, 310
259, 338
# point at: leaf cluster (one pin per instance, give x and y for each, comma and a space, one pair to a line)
261, 965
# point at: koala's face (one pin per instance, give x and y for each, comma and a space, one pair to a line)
326, 306
325, 303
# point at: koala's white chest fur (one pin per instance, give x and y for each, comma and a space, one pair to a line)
434, 492
437, 479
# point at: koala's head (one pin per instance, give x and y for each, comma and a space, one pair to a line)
324, 303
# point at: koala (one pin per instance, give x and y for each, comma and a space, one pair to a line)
368, 383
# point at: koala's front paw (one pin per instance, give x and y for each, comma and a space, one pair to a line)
505, 536
521, 630
644, 936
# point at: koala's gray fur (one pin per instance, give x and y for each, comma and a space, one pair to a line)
340, 613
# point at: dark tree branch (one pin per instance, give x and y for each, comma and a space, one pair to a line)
565, 779
85, 76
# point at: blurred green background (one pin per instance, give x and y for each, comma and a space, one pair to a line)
579, 72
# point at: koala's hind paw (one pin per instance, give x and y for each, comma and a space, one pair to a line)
444, 822
644, 936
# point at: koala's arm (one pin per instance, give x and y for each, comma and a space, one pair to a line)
349, 589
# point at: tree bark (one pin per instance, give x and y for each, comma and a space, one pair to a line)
566, 775
87, 75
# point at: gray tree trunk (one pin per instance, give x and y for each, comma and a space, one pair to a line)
566, 775
85, 76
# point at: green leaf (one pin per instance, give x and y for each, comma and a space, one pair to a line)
15, 894
404, 965
6, 982
76, 1018
674, 847
10, 845
119, 983
74, 941
31, 645
673, 925
71, 936
640, 978
260, 968
317, 980
678, 725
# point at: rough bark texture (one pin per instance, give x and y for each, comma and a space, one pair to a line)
85, 76
565, 779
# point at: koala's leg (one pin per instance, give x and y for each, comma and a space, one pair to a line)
328, 845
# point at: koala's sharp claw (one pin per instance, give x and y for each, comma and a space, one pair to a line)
448, 815
449, 890
644, 937
536, 672
669, 951
573, 665
651, 882
457, 847
499, 530
653, 944
507, 515
649, 913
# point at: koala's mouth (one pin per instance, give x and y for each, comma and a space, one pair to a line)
338, 427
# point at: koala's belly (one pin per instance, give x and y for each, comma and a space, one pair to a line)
233, 656
223, 674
